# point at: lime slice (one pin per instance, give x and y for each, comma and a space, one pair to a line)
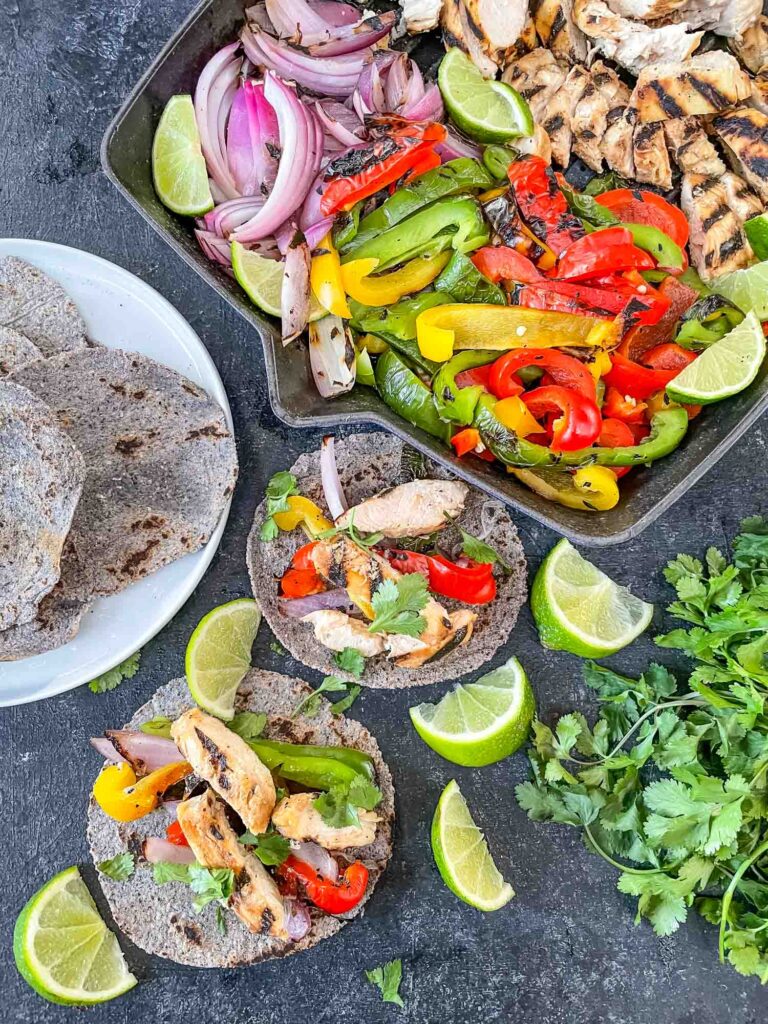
178, 164
725, 368
64, 950
262, 281
747, 289
577, 608
481, 722
462, 855
484, 109
756, 230
219, 655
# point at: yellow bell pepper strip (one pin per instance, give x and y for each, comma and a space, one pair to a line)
302, 512
122, 797
591, 489
514, 414
442, 329
599, 363
386, 289
325, 279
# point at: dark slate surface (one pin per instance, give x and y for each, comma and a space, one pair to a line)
565, 950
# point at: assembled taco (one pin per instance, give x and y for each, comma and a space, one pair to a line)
371, 549
251, 839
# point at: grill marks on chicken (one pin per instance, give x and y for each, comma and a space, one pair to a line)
556, 28
690, 147
744, 132
718, 244
652, 165
539, 78
703, 85
589, 117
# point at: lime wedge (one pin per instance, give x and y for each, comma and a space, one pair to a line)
178, 164
462, 855
219, 655
747, 289
725, 368
64, 950
482, 722
756, 230
577, 608
484, 109
262, 281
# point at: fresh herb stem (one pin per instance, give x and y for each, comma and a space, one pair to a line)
728, 894
663, 869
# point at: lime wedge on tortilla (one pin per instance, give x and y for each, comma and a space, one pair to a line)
462, 855
483, 108
178, 164
64, 950
724, 368
479, 723
577, 608
262, 281
219, 655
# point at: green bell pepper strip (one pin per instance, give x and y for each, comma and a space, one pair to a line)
708, 320
668, 428
464, 283
406, 395
652, 240
346, 226
409, 349
497, 160
398, 320
364, 368
452, 178
317, 772
449, 223
274, 752
588, 209
458, 404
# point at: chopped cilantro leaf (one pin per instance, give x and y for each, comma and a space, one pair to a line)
350, 660
480, 551
387, 979
271, 848
311, 704
248, 725
397, 603
109, 680
279, 489
118, 868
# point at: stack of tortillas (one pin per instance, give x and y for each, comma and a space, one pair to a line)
111, 465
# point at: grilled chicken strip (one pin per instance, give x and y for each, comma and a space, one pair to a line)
539, 78
295, 818
553, 20
616, 141
410, 510
444, 631
457, 31
718, 244
745, 134
538, 144
632, 44
228, 765
705, 84
589, 118
421, 15
759, 95
256, 899
742, 200
751, 47
337, 631
726, 17
691, 149
650, 154
497, 24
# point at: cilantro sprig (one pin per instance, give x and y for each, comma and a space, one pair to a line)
208, 884
670, 784
339, 806
397, 603
387, 979
109, 680
119, 868
270, 847
279, 489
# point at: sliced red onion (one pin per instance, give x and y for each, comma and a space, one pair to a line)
336, 13
105, 748
351, 38
310, 210
398, 78
369, 86
171, 806
295, 293
343, 124
214, 94
301, 138
143, 751
215, 248
428, 108
297, 919
328, 76
223, 220
293, 19
455, 146
335, 499
318, 858
158, 851
257, 14
315, 233
331, 356
251, 133
298, 607
268, 150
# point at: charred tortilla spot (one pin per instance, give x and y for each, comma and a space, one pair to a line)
128, 445
211, 430
134, 561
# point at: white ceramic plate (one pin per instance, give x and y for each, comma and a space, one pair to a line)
120, 311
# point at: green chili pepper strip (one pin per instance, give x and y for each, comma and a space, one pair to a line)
273, 753
449, 223
453, 177
317, 772
405, 394
668, 428
458, 404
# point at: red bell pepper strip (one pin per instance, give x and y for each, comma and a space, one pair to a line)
542, 298
668, 357
428, 162
639, 207
542, 204
603, 252
566, 371
623, 407
175, 835
302, 559
635, 380
301, 583
616, 434
364, 171
501, 263
465, 441
476, 376
579, 424
679, 298
473, 583
332, 897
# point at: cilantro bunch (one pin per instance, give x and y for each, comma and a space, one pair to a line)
670, 784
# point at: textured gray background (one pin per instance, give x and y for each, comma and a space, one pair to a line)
565, 950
